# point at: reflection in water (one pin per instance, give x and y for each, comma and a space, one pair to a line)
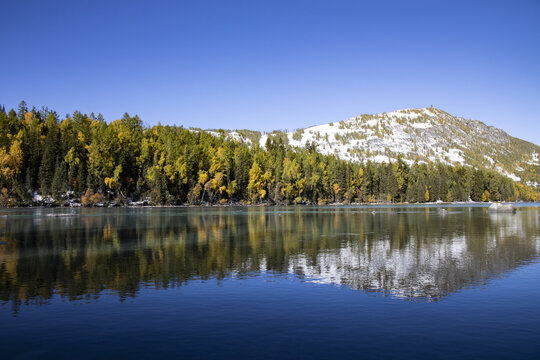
414, 253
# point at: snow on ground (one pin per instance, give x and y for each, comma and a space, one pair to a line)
381, 159
403, 114
231, 135
455, 155
383, 136
416, 134
507, 174
234, 135
421, 125
535, 159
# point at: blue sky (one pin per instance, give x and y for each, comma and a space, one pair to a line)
268, 65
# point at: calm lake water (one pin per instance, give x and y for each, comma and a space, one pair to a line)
270, 282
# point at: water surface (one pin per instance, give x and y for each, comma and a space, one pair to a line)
270, 282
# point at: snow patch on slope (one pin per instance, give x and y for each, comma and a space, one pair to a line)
380, 138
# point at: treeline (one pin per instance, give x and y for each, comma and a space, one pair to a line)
84, 158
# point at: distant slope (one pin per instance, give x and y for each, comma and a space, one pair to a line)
422, 135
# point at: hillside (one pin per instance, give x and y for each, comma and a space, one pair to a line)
83, 160
422, 135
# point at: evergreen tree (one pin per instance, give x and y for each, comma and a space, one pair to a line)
50, 154
124, 160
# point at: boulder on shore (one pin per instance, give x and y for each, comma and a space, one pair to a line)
500, 208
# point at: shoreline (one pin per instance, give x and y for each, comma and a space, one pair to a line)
381, 204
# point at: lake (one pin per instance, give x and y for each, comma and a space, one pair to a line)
270, 282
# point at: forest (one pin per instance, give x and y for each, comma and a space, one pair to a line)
82, 159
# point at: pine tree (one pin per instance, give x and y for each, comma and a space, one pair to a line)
124, 159
50, 154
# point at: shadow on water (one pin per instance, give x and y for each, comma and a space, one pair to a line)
409, 253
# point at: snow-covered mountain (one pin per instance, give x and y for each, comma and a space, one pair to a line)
422, 135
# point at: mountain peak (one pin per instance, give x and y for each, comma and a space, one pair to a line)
421, 135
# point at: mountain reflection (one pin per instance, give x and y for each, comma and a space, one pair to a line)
413, 253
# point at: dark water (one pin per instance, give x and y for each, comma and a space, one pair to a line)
250, 283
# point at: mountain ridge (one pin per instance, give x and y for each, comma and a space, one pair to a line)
415, 135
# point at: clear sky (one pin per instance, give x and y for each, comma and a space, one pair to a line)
268, 65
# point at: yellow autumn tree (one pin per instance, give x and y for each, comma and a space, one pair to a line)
10, 162
336, 190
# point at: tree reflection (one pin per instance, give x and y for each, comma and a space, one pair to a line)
414, 253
